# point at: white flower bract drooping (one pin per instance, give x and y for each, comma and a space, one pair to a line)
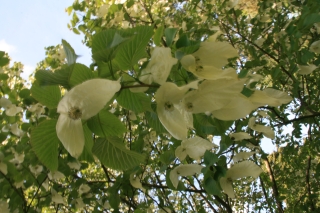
265, 130
175, 119
82, 102
194, 147
237, 171
184, 170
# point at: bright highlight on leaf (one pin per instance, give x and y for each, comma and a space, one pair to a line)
82, 102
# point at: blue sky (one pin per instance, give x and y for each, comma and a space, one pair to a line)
29, 26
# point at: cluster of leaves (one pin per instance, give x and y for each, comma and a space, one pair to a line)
129, 157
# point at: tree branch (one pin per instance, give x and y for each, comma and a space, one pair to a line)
274, 185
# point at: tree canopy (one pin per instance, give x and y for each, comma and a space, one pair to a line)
171, 113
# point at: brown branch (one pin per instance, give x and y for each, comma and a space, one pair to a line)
265, 194
308, 184
17, 191
298, 119
274, 185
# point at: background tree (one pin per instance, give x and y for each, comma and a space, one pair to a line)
138, 129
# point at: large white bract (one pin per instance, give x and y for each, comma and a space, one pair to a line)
82, 102
237, 171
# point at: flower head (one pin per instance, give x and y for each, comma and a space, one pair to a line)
36, 170
82, 102
172, 116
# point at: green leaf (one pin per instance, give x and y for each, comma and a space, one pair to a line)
211, 186
247, 92
180, 187
167, 157
183, 41
71, 55
24, 93
59, 77
154, 122
158, 35
132, 51
221, 126
170, 33
4, 76
2, 53
106, 124
113, 154
137, 102
46, 95
203, 124
243, 73
45, 142
87, 151
210, 158
80, 74
3, 60
106, 43
307, 21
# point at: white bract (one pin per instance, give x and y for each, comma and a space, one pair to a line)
194, 147
84, 188
238, 107
306, 69
184, 170
56, 175
12, 110
82, 102
74, 165
239, 136
3, 166
56, 198
269, 96
242, 155
160, 64
265, 130
4, 207
237, 171
14, 129
135, 182
79, 203
36, 170
37, 108
208, 61
315, 47
175, 119
212, 95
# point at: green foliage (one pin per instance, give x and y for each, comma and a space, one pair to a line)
106, 124
137, 102
45, 142
113, 154
132, 151
46, 95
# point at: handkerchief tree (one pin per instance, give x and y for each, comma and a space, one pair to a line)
173, 114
